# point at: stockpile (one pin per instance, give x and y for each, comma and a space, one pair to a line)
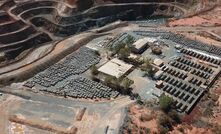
80, 87
74, 64
63, 78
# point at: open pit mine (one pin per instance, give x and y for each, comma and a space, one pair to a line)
110, 66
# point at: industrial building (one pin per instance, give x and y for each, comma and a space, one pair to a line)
142, 44
116, 68
158, 62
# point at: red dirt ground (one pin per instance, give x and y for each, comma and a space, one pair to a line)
192, 116
138, 126
210, 18
188, 129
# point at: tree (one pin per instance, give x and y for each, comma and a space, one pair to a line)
163, 130
151, 72
174, 115
147, 131
165, 122
124, 53
65, 94
139, 100
216, 128
156, 50
129, 40
116, 83
147, 66
136, 61
108, 80
165, 102
126, 83
117, 47
94, 70
112, 82
97, 53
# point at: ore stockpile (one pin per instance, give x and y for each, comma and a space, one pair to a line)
65, 77
80, 87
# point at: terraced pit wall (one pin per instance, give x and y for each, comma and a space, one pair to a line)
43, 64
95, 17
45, 14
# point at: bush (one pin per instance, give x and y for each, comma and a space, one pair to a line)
216, 129
208, 111
108, 80
97, 53
130, 40
125, 86
214, 97
94, 70
147, 65
165, 102
163, 130
135, 61
127, 83
145, 117
181, 129
123, 53
114, 83
165, 121
139, 100
95, 79
147, 131
157, 50
174, 115
117, 48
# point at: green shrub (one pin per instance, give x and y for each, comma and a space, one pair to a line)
165, 121
174, 115
163, 130
165, 102
147, 131
94, 70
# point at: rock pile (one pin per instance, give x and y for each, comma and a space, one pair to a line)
73, 64
80, 87
64, 78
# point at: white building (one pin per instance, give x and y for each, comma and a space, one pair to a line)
158, 62
115, 67
140, 45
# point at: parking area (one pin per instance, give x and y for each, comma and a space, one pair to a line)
143, 85
189, 69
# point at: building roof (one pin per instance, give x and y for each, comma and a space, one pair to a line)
158, 74
151, 39
158, 62
157, 92
133, 56
115, 67
140, 43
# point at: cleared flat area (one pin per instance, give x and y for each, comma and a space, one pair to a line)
61, 113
